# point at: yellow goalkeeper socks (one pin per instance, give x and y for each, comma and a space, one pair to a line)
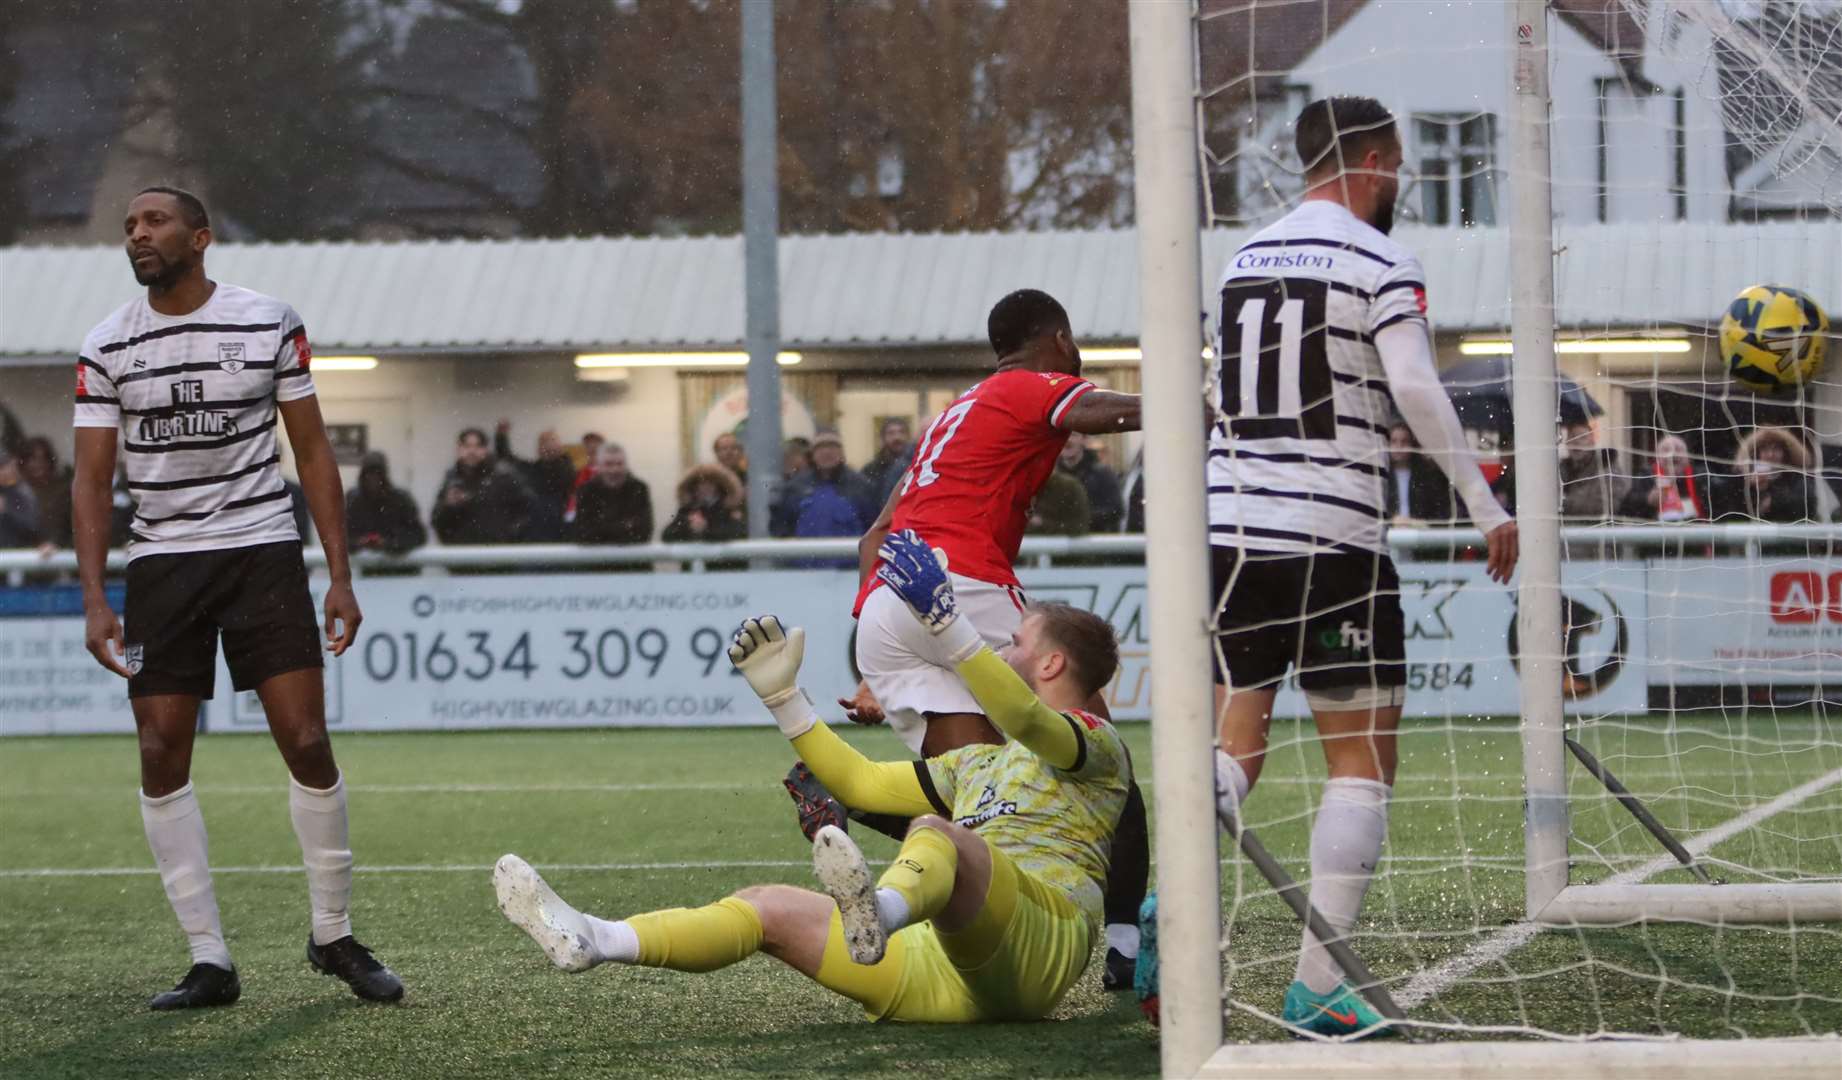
698, 939
922, 875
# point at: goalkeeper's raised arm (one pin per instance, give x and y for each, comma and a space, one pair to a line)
1041, 723
768, 655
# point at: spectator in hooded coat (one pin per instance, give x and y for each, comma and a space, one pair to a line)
709, 507
1771, 481
380, 516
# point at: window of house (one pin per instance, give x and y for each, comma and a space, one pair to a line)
1457, 166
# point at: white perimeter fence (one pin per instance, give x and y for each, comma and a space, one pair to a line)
564, 636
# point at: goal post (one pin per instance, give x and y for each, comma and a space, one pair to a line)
1538, 489
1166, 176
1514, 915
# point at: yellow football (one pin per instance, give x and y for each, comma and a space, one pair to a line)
1773, 338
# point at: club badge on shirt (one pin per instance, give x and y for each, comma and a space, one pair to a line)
230, 356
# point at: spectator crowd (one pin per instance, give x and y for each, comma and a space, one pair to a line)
589, 495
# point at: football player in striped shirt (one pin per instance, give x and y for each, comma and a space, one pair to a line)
1323, 337
191, 379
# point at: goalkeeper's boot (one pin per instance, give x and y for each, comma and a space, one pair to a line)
816, 806
535, 908
203, 986
1117, 975
846, 876
354, 964
1340, 1012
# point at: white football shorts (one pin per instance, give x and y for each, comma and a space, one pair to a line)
893, 649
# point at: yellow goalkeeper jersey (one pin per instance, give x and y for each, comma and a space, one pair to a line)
1056, 824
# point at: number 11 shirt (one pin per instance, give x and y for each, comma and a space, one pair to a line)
1298, 455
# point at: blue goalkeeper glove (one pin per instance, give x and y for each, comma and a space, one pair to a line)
918, 574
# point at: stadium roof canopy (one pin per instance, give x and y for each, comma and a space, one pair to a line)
869, 291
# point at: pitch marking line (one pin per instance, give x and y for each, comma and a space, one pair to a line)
407, 868
1435, 980
1477, 862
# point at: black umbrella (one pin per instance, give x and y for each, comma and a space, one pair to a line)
1479, 390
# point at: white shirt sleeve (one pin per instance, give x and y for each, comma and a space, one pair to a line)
98, 402
1407, 356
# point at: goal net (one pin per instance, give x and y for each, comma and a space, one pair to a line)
1620, 820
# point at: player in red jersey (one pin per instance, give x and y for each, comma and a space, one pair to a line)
967, 491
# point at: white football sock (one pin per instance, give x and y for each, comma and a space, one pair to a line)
612, 940
176, 834
1123, 939
1231, 787
891, 909
326, 848
1346, 844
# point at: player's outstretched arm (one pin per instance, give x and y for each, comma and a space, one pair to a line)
768, 656
1407, 356
918, 575
1102, 412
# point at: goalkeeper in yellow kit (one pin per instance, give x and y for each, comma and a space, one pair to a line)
991, 909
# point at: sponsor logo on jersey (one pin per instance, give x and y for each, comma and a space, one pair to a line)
990, 807
231, 356
186, 425
187, 420
996, 810
1282, 260
1419, 298
82, 380
132, 658
1347, 639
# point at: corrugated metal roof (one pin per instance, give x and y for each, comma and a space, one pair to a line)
869, 290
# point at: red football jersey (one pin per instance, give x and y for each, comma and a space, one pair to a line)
979, 466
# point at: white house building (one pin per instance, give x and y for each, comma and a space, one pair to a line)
1639, 131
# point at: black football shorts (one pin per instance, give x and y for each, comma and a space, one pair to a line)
178, 604
1335, 619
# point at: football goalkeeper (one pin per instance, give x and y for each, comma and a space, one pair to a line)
991, 909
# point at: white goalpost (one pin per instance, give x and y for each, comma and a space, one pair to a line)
1166, 177
1547, 984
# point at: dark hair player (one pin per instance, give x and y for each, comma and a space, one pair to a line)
192, 378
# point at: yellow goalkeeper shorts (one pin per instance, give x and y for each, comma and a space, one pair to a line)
1027, 946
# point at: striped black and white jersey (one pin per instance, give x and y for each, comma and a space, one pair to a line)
195, 398
1298, 454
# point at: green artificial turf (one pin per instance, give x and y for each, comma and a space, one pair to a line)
627, 821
